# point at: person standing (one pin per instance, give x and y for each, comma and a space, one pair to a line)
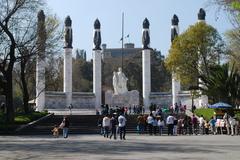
170, 122
194, 123
65, 126
122, 126
150, 123
201, 125
161, 125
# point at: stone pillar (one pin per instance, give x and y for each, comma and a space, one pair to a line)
40, 64
67, 73
203, 99
176, 86
146, 77
40, 84
146, 63
97, 65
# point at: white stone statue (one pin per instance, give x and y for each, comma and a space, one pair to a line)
119, 82
115, 82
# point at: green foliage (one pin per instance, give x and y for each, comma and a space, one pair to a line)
206, 112
82, 75
21, 118
199, 43
235, 5
222, 84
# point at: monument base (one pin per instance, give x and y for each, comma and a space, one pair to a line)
127, 99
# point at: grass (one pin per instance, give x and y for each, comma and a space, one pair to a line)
26, 118
206, 112
19, 119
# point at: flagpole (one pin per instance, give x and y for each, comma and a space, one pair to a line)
122, 36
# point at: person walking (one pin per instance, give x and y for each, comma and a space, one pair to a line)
113, 122
122, 126
106, 126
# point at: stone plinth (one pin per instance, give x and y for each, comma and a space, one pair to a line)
125, 99
80, 100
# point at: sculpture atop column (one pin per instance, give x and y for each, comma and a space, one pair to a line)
97, 65
145, 35
146, 64
119, 82
68, 32
174, 29
97, 35
201, 15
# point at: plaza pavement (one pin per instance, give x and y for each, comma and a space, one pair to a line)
136, 147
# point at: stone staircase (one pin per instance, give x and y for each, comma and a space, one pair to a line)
79, 124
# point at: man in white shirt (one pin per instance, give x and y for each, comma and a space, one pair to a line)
122, 126
106, 125
201, 124
169, 122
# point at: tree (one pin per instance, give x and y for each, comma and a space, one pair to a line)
13, 15
223, 84
192, 52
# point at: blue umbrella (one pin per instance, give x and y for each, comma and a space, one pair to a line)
220, 105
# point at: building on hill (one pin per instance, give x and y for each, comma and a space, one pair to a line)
129, 50
81, 54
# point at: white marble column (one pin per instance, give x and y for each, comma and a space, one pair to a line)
146, 76
97, 78
67, 86
40, 63
176, 87
40, 83
203, 99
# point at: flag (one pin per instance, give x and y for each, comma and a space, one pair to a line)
121, 39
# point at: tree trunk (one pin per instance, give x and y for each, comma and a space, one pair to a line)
24, 87
9, 98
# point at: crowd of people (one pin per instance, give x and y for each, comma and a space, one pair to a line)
112, 124
186, 125
114, 119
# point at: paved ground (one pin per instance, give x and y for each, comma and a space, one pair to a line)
143, 147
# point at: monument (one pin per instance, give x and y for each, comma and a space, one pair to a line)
176, 86
97, 64
119, 82
120, 96
146, 63
40, 63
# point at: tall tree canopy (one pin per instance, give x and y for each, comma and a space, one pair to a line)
194, 51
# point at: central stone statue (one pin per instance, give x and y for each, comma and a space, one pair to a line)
119, 82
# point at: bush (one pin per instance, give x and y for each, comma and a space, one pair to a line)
206, 112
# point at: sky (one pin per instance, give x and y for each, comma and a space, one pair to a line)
159, 13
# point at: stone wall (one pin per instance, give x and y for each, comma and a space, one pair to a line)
80, 100
165, 99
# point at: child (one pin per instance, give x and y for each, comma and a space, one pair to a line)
55, 131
